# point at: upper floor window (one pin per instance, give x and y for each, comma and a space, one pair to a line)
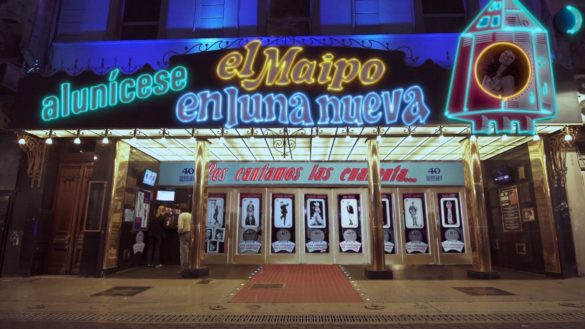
366, 16
140, 19
289, 17
443, 16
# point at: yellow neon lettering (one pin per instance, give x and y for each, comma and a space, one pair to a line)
275, 69
372, 71
342, 74
228, 66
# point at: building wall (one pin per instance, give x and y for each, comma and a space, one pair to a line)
576, 199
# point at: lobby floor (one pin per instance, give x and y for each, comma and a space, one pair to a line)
418, 297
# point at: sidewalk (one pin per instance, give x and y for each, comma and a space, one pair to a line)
427, 294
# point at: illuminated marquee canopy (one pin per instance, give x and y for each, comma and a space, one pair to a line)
254, 86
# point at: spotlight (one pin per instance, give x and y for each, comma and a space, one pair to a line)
473, 138
105, 140
505, 138
536, 137
95, 157
77, 141
409, 138
379, 138
221, 139
49, 141
568, 138
21, 141
192, 139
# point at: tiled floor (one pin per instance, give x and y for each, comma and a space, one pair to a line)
300, 284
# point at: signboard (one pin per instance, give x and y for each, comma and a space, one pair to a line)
258, 85
502, 80
315, 173
510, 208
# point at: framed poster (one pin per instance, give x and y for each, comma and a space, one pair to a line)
316, 210
415, 224
141, 210
510, 209
215, 210
250, 211
215, 223
388, 224
316, 217
348, 208
450, 215
283, 226
283, 211
95, 206
452, 239
350, 235
250, 222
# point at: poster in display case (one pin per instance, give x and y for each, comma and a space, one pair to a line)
350, 235
451, 223
250, 232
388, 224
283, 226
215, 224
316, 217
415, 223
141, 210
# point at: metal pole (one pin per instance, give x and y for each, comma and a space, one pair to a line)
476, 210
199, 212
377, 269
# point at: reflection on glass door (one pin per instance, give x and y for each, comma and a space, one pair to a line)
250, 222
415, 224
316, 219
350, 233
283, 223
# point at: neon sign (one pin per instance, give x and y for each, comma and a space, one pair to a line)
502, 80
282, 71
233, 108
112, 93
407, 106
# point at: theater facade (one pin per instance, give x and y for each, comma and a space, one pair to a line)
378, 150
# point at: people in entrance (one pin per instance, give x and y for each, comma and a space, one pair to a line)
155, 235
184, 229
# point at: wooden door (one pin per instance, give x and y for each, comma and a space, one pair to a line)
69, 209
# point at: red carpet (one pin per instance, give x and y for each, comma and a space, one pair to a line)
301, 284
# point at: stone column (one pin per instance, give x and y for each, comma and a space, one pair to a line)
476, 211
199, 211
377, 269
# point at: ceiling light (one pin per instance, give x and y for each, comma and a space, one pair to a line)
77, 141
49, 141
568, 138
105, 140
21, 141
505, 138
473, 138
536, 137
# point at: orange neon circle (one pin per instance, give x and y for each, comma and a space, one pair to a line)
487, 52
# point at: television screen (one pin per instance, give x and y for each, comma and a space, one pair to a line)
165, 196
149, 177
502, 176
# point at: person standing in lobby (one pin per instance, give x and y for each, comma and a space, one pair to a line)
155, 236
184, 229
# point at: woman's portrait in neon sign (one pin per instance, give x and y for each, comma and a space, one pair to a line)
503, 70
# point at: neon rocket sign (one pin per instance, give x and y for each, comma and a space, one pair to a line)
502, 79
386, 107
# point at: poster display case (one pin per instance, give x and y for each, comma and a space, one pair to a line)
283, 224
250, 222
350, 230
415, 224
316, 223
215, 224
